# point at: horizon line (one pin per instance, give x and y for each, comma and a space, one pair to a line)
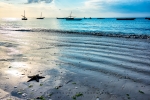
79, 17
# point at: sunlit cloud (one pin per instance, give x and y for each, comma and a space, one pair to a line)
80, 8
26, 1
38, 1
119, 5
13, 1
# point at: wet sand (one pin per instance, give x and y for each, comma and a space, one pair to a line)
81, 67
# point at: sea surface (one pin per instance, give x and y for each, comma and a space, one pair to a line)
111, 68
139, 26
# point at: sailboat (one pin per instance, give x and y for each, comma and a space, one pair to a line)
24, 17
40, 17
72, 18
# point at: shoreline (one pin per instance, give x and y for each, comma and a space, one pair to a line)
85, 67
93, 33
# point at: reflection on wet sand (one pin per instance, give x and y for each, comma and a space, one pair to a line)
74, 66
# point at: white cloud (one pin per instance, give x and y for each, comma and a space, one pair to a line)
25, 1
14, 1
32, 10
38, 1
62, 8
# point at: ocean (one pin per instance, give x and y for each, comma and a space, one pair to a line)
139, 26
103, 59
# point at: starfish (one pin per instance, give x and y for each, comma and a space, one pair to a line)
35, 77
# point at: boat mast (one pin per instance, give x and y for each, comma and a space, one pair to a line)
70, 14
41, 14
24, 13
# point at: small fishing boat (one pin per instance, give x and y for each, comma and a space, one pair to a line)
147, 18
125, 18
71, 18
24, 17
40, 17
60, 18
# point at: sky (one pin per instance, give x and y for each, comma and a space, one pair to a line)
79, 8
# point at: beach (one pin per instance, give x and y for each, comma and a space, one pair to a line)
75, 66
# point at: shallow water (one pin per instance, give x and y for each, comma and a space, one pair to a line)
138, 26
104, 67
106, 58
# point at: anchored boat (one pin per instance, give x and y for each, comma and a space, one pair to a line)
60, 18
71, 18
40, 17
125, 18
24, 17
148, 18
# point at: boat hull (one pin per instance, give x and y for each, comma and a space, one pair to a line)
40, 18
24, 19
73, 19
60, 18
147, 18
69, 18
125, 18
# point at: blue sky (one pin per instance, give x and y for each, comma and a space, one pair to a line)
80, 8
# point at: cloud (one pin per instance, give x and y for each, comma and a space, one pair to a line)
38, 1
33, 1
130, 7
25, 1
122, 6
13, 1
92, 8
